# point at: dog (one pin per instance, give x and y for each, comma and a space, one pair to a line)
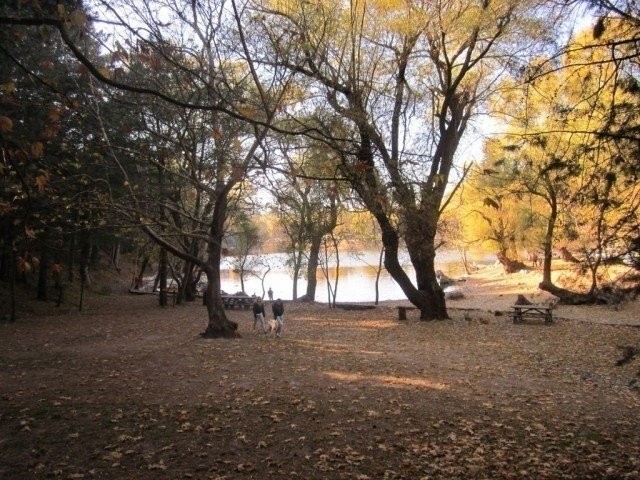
272, 325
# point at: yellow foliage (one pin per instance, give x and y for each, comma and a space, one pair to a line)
388, 4
8, 87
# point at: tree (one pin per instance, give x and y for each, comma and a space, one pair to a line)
402, 85
246, 241
308, 203
555, 151
49, 148
202, 52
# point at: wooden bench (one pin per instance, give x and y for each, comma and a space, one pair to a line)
520, 312
240, 301
171, 292
402, 312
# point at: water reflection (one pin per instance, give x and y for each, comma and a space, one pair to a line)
356, 282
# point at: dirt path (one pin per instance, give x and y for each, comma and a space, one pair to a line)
129, 390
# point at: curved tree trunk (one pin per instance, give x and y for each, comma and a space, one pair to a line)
219, 325
312, 270
568, 297
432, 301
428, 297
419, 237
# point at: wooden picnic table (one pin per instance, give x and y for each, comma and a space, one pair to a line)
172, 293
402, 312
520, 312
240, 301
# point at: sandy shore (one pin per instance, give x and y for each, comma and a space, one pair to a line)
491, 289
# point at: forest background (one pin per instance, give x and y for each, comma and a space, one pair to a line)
165, 132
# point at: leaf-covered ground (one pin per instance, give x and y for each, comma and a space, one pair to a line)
127, 390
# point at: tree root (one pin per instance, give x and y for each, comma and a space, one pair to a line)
228, 330
607, 295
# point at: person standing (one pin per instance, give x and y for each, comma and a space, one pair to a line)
259, 314
278, 313
270, 293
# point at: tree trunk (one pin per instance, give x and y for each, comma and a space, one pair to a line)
297, 261
548, 236
95, 256
11, 264
85, 257
43, 279
162, 277
188, 290
431, 297
219, 326
567, 297
241, 274
428, 297
312, 269
71, 255
418, 219
115, 255
378, 272
335, 284
140, 273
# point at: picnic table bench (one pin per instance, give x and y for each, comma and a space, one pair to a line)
520, 312
240, 301
402, 312
172, 293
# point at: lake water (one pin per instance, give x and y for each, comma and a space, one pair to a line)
356, 282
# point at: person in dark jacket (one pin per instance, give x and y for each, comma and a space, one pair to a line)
278, 313
259, 314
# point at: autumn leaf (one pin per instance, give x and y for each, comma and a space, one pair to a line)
46, 65
24, 266
37, 149
50, 131
29, 232
54, 114
6, 124
157, 466
42, 181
